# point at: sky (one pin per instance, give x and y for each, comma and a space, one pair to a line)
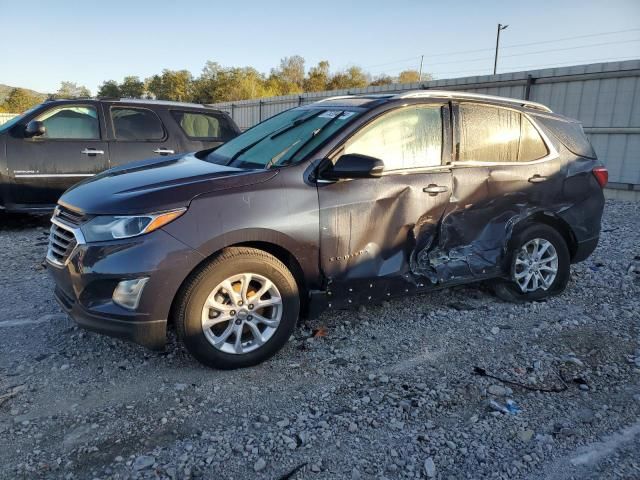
45, 42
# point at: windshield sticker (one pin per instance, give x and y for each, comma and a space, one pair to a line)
346, 115
330, 114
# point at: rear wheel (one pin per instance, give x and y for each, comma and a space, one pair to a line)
239, 310
539, 265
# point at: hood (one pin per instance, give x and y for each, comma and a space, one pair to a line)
155, 185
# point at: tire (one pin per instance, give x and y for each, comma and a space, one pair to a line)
230, 314
511, 290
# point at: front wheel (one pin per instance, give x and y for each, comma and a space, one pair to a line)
539, 265
238, 310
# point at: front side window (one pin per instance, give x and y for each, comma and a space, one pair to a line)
136, 124
405, 138
71, 123
494, 134
283, 139
203, 126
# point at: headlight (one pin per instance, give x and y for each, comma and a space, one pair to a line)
108, 227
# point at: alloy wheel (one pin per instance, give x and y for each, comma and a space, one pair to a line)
536, 265
242, 313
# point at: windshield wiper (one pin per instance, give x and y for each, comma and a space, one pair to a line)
313, 135
273, 135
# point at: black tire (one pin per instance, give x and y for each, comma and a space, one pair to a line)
510, 291
233, 261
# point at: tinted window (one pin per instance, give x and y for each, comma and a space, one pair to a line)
203, 125
405, 138
71, 122
532, 146
136, 124
494, 134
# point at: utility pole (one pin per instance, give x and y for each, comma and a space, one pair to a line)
421, 60
495, 62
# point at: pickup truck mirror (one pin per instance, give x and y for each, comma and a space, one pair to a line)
354, 165
34, 128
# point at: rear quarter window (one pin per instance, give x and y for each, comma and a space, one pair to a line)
203, 125
571, 135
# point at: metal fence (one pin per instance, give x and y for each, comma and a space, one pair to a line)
5, 117
605, 97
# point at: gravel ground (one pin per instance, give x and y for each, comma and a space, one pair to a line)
386, 392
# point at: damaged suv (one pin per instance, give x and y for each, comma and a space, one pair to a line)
346, 201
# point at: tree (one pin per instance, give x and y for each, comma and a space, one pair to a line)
109, 89
353, 77
409, 76
318, 77
132, 87
381, 80
20, 100
72, 90
174, 85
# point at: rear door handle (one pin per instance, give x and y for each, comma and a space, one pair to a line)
164, 151
91, 151
537, 179
434, 189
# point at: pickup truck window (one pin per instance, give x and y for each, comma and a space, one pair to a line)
137, 124
71, 122
203, 126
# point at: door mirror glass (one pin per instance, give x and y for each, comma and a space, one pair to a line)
355, 165
34, 128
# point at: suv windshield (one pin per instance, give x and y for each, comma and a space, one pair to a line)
283, 139
7, 125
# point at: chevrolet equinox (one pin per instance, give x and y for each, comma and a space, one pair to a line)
345, 201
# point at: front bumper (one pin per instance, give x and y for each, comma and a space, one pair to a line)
85, 285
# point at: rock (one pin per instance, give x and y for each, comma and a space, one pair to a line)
353, 427
525, 435
143, 461
430, 468
259, 465
495, 330
179, 387
355, 474
283, 423
498, 390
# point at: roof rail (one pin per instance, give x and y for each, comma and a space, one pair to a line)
357, 95
471, 96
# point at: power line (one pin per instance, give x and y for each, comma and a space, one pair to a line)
523, 54
547, 65
460, 52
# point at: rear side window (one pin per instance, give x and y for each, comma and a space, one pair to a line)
136, 124
204, 126
494, 134
71, 122
406, 138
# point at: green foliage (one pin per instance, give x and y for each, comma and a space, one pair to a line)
174, 85
72, 90
109, 89
131, 87
20, 100
381, 80
318, 78
353, 77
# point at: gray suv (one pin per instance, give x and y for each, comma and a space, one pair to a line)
347, 201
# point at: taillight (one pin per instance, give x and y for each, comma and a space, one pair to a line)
602, 175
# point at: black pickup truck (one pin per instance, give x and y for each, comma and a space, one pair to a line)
58, 143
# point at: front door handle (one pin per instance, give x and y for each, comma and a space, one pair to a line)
91, 151
164, 151
434, 189
537, 179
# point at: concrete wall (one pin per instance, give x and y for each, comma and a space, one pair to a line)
605, 97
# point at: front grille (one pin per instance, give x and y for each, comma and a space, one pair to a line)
62, 236
70, 217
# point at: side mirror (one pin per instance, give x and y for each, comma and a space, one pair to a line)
354, 165
34, 128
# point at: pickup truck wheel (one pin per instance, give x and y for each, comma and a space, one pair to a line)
539, 265
238, 310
